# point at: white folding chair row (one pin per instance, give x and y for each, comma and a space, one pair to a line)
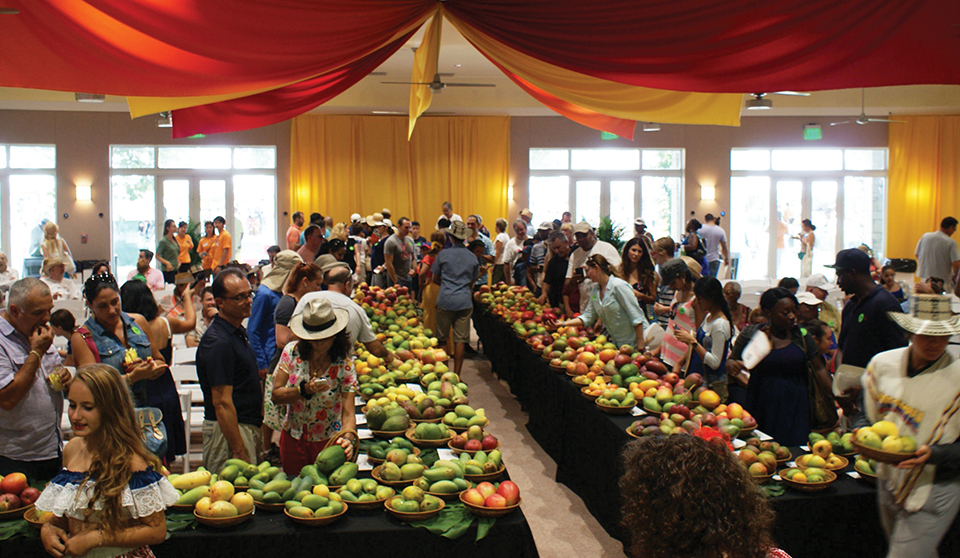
184, 374
75, 307
184, 356
179, 341
186, 407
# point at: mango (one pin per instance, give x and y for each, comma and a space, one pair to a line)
278, 486
192, 480
385, 492
192, 496
344, 473
390, 471
223, 509
272, 498
411, 471
230, 472
430, 503
221, 491
444, 487
439, 474
256, 494
330, 459
300, 511
314, 502
408, 506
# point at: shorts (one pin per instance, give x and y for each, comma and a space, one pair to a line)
459, 320
216, 450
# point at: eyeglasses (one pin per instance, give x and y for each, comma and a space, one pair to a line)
240, 297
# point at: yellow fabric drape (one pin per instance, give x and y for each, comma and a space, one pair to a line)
424, 62
360, 164
607, 97
924, 179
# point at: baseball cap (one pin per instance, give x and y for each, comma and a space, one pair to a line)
545, 226
817, 281
639, 223
852, 259
808, 298
582, 227
355, 217
671, 270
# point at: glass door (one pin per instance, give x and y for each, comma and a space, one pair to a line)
623, 205
823, 215
255, 216
750, 229
789, 214
133, 212
588, 202
33, 202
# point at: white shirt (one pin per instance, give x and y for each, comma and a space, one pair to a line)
452, 218
713, 235
503, 239
936, 253
512, 250
8, 278
67, 288
578, 257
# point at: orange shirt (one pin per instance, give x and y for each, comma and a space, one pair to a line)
223, 245
207, 244
185, 243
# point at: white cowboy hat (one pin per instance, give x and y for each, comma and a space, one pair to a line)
319, 320
929, 315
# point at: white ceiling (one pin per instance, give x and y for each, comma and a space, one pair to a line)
466, 64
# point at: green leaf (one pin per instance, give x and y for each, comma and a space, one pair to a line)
17, 528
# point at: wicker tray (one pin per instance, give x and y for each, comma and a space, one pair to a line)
223, 522
485, 476
181, 508
388, 434
880, 456
458, 451
462, 429
318, 521
426, 443
562, 369
28, 516
375, 473
589, 396
17, 513
367, 506
416, 451
412, 516
449, 497
615, 410
432, 421
843, 465
483, 511
808, 486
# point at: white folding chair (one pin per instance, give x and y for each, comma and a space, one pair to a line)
184, 374
179, 341
186, 407
75, 307
186, 355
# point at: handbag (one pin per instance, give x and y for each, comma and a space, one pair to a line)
149, 419
150, 423
701, 251
800, 255
823, 410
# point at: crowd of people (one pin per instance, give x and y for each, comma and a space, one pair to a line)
275, 347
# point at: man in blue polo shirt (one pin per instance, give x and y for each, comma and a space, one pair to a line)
455, 270
866, 330
228, 374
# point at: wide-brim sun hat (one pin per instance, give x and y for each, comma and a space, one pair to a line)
283, 264
319, 320
458, 229
929, 315
52, 261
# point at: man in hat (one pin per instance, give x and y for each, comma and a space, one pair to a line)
818, 285
386, 213
144, 272
228, 373
938, 254
261, 327
587, 245
455, 270
640, 231
293, 232
913, 387
866, 330
61, 286
527, 217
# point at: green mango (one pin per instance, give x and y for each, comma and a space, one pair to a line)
464, 411
444, 487
241, 481
278, 486
389, 471
302, 512
250, 470
439, 473
272, 498
348, 496
257, 484
376, 452
230, 472
430, 503
241, 464
290, 504
369, 485
375, 417
408, 506
344, 473
396, 423
411, 471
314, 502
337, 507
477, 420
496, 457
298, 497
256, 494
289, 493
192, 496
367, 498
353, 485
384, 492
462, 484
263, 466
473, 470
330, 459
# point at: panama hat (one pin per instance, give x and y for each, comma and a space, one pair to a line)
283, 264
319, 320
458, 229
929, 315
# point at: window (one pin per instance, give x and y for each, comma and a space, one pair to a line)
150, 184
620, 183
841, 191
28, 184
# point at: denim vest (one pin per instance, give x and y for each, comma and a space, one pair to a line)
112, 350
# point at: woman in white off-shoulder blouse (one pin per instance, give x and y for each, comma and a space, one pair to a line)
109, 499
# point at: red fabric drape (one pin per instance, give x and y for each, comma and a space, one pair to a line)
732, 46
280, 104
192, 48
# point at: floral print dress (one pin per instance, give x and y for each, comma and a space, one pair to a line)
317, 418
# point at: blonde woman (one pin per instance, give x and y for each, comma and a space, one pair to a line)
53, 246
111, 494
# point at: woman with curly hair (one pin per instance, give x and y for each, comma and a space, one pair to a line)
638, 270
110, 495
685, 497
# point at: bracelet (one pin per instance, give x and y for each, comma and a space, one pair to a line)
303, 391
100, 532
37, 353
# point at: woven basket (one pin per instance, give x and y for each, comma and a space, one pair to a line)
809, 486
879, 455
319, 521
223, 522
483, 511
350, 435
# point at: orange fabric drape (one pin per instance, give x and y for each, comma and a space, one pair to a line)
361, 164
924, 179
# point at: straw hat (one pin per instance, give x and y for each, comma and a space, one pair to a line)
929, 315
319, 320
283, 264
458, 229
51, 262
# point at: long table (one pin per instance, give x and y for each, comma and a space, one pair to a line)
586, 443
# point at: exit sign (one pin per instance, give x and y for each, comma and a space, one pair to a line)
608, 136
812, 132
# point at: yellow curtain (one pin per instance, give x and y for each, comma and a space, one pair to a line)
924, 179
361, 164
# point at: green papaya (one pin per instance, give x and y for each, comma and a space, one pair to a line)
344, 473
330, 459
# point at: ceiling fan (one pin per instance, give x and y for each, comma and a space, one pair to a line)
863, 119
438, 85
759, 103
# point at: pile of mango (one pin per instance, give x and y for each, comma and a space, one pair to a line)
319, 502
392, 417
446, 477
865, 466
428, 431
381, 449
465, 416
481, 462
210, 495
364, 490
414, 499
617, 397
840, 444
807, 475
446, 393
884, 435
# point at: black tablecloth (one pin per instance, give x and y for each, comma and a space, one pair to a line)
586, 443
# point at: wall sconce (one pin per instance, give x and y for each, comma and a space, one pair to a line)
510, 192
84, 192
708, 193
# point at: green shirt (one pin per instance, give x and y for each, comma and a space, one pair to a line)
168, 250
619, 310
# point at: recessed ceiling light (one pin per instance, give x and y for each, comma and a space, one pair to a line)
458, 65
759, 104
89, 97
